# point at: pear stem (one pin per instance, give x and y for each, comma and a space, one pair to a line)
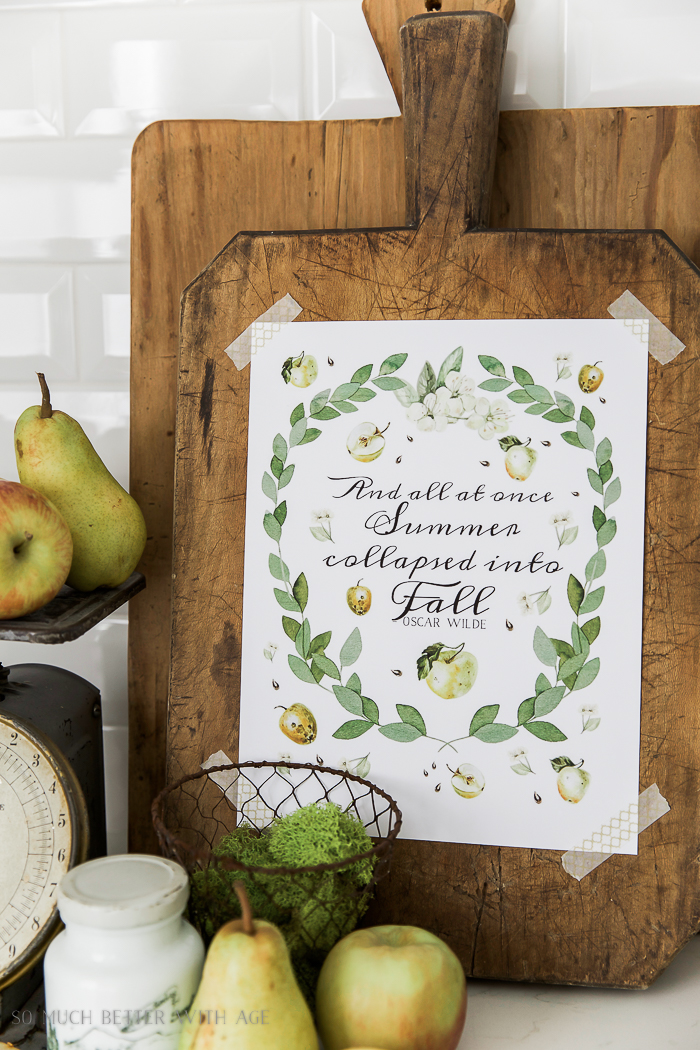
46, 410
246, 910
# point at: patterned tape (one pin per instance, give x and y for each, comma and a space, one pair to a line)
663, 344
262, 330
240, 792
631, 821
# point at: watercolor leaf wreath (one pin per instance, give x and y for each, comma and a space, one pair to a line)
571, 666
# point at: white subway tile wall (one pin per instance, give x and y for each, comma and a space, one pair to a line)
79, 80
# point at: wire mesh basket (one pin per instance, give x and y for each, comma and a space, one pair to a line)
227, 816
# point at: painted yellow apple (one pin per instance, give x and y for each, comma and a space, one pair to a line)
450, 673
590, 377
359, 599
300, 371
366, 442
467, 780
396, 987
572, 781
297, 723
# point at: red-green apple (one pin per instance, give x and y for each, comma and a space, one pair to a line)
36, 550
395, 987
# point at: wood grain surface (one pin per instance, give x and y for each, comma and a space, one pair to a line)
196, 183
508, 913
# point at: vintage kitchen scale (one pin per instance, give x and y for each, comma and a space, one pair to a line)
52, 799
508, 913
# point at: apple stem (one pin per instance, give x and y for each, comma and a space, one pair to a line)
246, 910
46, 410
385, 428
455, 654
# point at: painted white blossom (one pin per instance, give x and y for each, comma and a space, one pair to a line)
565, 357
319, 517
516, 755
448, 405
489, 419
458, 385
360, 767
588, 709
427, 414
284, 759
270, 650
526, 604
562, 517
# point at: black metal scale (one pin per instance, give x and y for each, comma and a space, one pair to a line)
67, 710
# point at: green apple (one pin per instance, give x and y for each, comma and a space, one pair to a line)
450, 673
395, 987
572, 781
366, 442
467, 780
36, 550
297, 723
520, 458
590, 377
300, 371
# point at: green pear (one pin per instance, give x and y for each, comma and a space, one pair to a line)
55, 457
248, 996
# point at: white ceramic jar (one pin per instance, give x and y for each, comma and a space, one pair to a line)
127, 964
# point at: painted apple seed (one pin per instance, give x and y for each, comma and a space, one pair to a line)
331, 362
275, 685
434, 766
575, 493
398, 459
509, 625
602, 400
397, 673
425, 773
319, 760
408, 437
438, 786
484, 463
546, 443
538, 798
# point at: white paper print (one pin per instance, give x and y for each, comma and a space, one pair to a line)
443, 568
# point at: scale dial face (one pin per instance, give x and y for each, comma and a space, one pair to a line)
43, 833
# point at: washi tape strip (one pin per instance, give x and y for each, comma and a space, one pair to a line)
663, 344
636, 818
262, 330
240, 792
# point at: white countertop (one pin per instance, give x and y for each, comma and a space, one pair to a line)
501, 1015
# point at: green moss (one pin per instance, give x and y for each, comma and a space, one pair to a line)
312, 910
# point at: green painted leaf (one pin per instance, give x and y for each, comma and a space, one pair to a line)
572, 666
400, 731
495, 733
545, 731
606, 532
320, 643
279, 447
286, 601
569, 535
452, 363
319, 401
277, 568
390, 364
492, 365
296, 415
352, 648
548, 700
319, 534
276, 466
361, 375
522, 377
587, 674
598, 518
348, 699
272, 527
594, 481
326, 665
300, 590
280, 512
542, 683
604, 452
495, 385
571, 437
286, 476
520, 397
544, 601
564, 650
557, 416
351, 730
483, 717
388, 383
606, 471
297, 432
575, 592
291, 627
536, 410
544, 650
363, 394
539, 393
323, 413
526, 710
269, 487
344, 391
345, 406
311, 434
316, 670
407, 395
303, 640
565, 404
353, 683
592, 601
596, 566
370, 710
427, 380
612, 493
585, 435
591, 629
412, 717
300, 669
579, 641
587, 417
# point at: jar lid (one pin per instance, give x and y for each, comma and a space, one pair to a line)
122, 892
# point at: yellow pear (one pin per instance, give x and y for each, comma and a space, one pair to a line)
248, 997
55, 457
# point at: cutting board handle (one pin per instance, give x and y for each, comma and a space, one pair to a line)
452, 71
